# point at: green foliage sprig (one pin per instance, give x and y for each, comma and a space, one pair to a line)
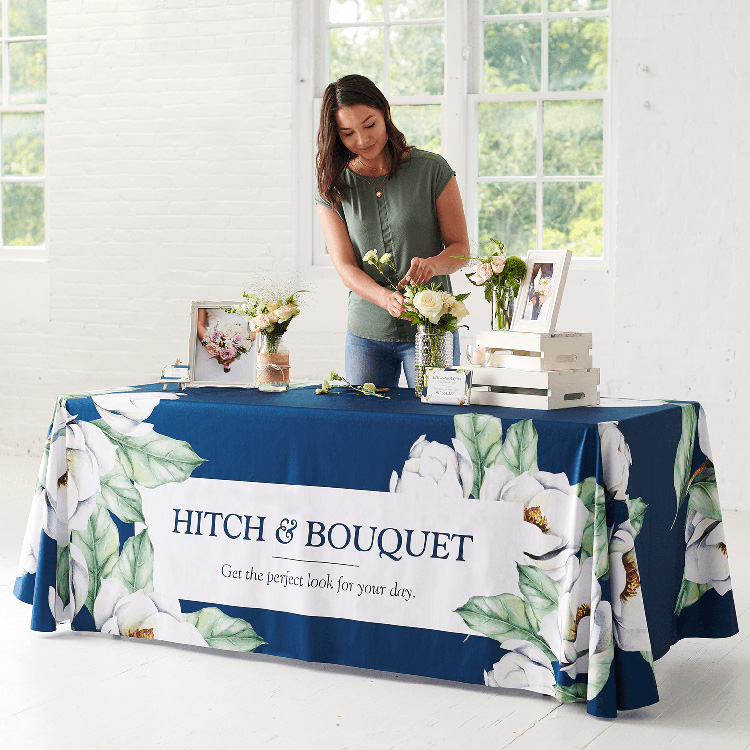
327, 387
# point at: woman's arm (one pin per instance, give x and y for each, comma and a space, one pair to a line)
202, 316
344, 261
455, 237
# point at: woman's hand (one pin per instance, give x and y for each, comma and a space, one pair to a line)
394, 303
420, 271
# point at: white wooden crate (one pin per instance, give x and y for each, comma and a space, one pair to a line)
538, 351
556, 389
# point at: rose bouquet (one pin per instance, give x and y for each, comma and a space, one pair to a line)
435, 312
501, 277
424, 304
226, 343
268, 315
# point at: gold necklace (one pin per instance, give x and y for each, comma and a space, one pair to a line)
378, 190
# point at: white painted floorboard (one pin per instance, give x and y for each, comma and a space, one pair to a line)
70, 690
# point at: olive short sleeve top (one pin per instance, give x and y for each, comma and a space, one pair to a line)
403, 222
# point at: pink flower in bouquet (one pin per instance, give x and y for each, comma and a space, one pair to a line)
262, 322
216, 336
237, 339
498, 263
212, 349
226, 354
285, 312
483, 272
273, 305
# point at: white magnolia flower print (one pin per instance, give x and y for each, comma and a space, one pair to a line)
706, 552
616, 459
78, 590
525, 666
79, 455
142, 615
435, 470
125, 412
582, 624
555, 515
631, 628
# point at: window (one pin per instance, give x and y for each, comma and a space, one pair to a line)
514, 93
24, 94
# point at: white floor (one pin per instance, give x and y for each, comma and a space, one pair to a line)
68, 690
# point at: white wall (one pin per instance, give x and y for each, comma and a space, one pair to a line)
170, 177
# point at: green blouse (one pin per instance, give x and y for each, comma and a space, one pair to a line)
403, 222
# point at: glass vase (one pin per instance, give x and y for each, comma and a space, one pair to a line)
503, 300
432, 348
272, 364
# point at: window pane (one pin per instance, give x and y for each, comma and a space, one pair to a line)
27, 17
23, 144
420, 124
23, 214
573, 138
507, 139
500, 7
507, 211
578, 54
512, 56
417, 9
573, 217
417, 60
28, 72
354, 11
357, 50
558, 6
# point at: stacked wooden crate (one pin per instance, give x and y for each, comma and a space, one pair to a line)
536, 371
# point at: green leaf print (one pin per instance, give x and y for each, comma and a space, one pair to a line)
504, 617
100, 544
519, 449
224, 632
120, 495
482, 435
135, 567
152, 460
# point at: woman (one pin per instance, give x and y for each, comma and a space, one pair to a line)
375, 192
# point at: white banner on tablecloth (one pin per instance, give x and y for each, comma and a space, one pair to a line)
353, 554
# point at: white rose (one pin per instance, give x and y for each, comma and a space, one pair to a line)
142, 615
555, 516
435, 470
616, 459
429, 304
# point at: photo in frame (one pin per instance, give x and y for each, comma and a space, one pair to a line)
221, 346
540, 293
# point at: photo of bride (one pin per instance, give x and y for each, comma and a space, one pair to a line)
221, 346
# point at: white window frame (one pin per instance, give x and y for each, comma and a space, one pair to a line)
459, 111
20, 252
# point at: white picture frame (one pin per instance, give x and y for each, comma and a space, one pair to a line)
208, 370
535, 313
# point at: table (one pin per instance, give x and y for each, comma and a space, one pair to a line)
559, 552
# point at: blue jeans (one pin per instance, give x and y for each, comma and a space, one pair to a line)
380, 362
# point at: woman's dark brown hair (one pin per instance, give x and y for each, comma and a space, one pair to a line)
333, 156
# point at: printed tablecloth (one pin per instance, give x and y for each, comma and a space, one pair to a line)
559, 552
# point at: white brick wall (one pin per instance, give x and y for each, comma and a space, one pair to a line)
170, 173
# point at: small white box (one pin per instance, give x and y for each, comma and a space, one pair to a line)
538, 351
